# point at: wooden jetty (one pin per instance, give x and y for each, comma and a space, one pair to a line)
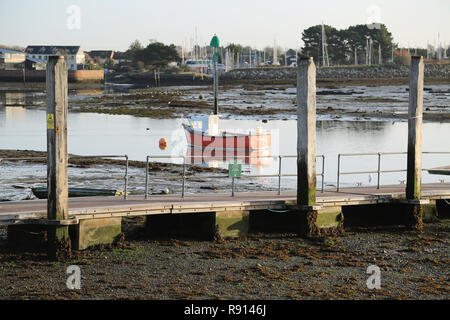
223, 214
85, 222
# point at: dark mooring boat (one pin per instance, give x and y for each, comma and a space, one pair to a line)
41, 193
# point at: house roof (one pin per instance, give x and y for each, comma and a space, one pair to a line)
120, 55
9, 51
49, 50
36, 60
104, 54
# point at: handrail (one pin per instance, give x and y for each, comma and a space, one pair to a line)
279, 174
378, 171
83, 157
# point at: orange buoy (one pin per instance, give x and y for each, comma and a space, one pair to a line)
162, 143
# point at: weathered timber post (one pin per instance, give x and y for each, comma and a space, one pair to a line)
414, 169
306, 145
57, 181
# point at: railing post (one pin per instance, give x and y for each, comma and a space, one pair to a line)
279, 174
184, 176
323, 173
146, 178
57, 180
232, 186
338, 172
126, 178
379, 170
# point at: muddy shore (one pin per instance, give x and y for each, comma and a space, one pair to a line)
278, 266
348, 98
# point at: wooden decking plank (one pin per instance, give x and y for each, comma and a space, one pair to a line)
96, 207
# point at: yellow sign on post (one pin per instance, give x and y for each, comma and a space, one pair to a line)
51, 121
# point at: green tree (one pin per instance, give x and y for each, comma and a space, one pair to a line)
134, 48
357, 37
156, 54
341, 44
109, 63
312, 39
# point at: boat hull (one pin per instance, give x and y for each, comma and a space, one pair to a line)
227, 141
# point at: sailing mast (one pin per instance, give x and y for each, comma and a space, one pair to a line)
275, 54
325, 59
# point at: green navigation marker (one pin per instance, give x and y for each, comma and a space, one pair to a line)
215, 42
234, 170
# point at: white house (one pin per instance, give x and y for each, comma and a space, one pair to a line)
74, 55
10, 58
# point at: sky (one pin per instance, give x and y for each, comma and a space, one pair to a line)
114, 24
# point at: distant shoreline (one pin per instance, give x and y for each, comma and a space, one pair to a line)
171, 82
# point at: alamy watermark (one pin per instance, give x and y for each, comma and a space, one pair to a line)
74, 280
374, 281
73, 21
373, 17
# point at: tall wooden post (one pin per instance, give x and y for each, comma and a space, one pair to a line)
57, 181
306, 146
415, 113
306, 133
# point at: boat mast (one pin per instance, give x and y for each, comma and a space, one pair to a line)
326, 61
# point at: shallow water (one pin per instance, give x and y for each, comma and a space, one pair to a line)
100, 134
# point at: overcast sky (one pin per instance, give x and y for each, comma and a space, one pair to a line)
114, 24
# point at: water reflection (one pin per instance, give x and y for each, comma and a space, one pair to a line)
215, 158
15, 114
19, 98
366, 126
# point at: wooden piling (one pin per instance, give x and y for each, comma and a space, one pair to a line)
415, 112
414, 167
306, 147
306, 133
57, 181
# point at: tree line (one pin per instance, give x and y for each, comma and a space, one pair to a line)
358, 44
349, 46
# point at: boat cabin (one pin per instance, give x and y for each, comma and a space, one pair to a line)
207, 124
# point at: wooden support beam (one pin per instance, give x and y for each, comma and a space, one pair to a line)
415, 113
414, 168
306, 133
57, 181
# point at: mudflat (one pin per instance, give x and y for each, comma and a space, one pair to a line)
263, 266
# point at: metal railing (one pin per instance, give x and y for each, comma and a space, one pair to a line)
378, 171
279, 175
82, 157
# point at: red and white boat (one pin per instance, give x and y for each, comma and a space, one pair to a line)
204, 133
259, 158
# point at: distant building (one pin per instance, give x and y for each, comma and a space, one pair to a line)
9, 59
121, 57
100, 56
35, 64
74, 55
